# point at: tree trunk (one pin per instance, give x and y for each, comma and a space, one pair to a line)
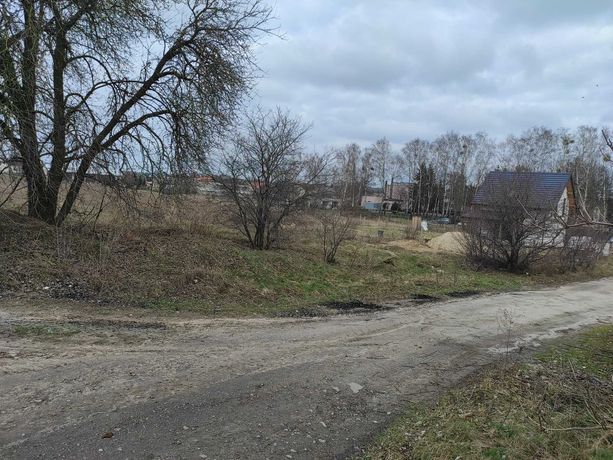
40, 205
58, 135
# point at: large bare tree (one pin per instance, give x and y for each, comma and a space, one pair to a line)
118, 85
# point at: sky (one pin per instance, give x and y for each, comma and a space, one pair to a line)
359, 70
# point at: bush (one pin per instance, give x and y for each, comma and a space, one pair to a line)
583, 246
333, 229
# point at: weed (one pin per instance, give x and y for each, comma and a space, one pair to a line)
44, 330
558, 407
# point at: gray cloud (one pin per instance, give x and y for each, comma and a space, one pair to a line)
361, 70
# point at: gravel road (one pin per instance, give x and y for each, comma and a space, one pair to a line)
78, 383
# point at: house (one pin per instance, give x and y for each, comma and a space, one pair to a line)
323, 196
11, 167
330, 203
397, 196
207, 185
372, 202
536, 191
539, 199
394, 196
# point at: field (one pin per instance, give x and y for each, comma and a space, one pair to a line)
183, 253
559, 406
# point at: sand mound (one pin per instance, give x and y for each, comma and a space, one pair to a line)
447, 242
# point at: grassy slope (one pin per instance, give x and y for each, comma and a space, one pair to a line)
559, 407
209, 269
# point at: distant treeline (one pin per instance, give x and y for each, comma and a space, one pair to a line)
446, 171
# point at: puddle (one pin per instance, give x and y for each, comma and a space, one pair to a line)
462, 294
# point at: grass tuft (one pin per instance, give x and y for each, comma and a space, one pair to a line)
43, 330
560, 406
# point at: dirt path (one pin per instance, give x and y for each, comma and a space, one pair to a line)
250, 388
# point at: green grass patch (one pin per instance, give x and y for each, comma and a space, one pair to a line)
44, 330
560, 406
591, 352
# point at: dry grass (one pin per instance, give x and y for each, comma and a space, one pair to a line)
184, 254
558, 408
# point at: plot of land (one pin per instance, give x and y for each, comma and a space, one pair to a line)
207, 267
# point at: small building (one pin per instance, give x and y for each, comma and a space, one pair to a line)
372, 202
330, 203
397, 196
207, 185
394, 196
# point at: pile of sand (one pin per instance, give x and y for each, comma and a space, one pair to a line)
447, 242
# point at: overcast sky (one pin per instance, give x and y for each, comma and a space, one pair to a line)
363, 69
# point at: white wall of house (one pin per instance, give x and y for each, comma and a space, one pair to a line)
556, 233
366, 199
564, 205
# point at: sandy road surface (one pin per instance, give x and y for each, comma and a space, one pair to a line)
316, 388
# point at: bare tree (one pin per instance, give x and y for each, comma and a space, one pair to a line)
334, 228
266, 175
385, 162
583, 246
536, 149
479, 158
352, 173
510, 230
426, 190
583, 157
114, 86
346, 177
414, 153
585, 217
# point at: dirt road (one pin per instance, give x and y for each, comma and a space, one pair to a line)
188, 388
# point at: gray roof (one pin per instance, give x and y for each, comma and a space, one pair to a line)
536, 190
